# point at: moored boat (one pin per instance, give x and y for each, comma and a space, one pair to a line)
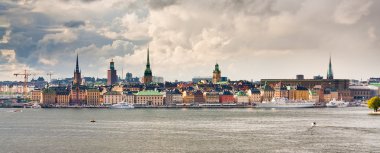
285, 103
122, 105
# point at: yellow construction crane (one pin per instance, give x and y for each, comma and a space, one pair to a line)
26, 74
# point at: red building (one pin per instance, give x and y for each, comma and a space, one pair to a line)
226, 97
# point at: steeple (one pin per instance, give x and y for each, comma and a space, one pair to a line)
148, 72
216, 77
330, 74
148, 63
77, 65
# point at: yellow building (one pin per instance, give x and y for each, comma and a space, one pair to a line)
267, 93
48, 97
93, 97
254, 95
298, 93
211, 97
63, 98
188, 97
36, 95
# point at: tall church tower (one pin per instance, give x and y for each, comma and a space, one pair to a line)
77, 80
148, 72
330, 75
216, 74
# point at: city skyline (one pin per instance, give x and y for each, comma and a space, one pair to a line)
248, 39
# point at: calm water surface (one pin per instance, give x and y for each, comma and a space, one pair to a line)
189, 130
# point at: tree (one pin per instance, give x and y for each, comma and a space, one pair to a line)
374, 103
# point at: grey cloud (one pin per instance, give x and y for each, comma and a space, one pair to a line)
74, 24
159, 4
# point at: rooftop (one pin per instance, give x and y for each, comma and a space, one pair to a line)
148, 93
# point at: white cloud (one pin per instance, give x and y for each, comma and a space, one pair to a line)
66, 36
350, 11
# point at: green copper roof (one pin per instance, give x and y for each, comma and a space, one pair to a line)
148, 93
241, 93
375, 84
216, 68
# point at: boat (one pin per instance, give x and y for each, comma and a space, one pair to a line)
285, 103
36, 105
122, 105
337, 103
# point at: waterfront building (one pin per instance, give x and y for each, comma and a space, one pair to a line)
111, 74
148, 77
211, 97
112, 97
48, 96
330, 75
330, 94
188, 97
36, 95
280, 91
241, 98
78, 95
338, 84
298, 93
254, 95
63, 97
267, 92
93, 97
129, 97
226, 97
149, 98
173, 97
216, 74
198, 97
361, 92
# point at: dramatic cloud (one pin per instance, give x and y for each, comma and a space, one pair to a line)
250, 39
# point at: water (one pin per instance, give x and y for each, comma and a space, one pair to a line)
189, 130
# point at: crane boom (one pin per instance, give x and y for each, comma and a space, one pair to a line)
26, 75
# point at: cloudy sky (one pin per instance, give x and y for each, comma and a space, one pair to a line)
250, 39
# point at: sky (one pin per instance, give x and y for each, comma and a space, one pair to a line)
249, 39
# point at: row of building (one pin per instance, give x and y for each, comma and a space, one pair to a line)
214, 90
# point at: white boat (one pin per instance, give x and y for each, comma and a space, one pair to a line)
36, 105
335, 103
285, 103
122, 105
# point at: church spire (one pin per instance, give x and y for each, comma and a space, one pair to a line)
148, 72
148, 63
77, 65
330, 74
